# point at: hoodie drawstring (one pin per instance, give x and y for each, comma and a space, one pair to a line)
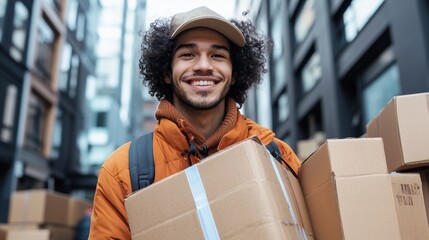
197, 152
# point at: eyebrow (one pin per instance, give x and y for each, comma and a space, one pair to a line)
193, 45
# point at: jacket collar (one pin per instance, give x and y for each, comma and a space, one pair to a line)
167, 112
176, 130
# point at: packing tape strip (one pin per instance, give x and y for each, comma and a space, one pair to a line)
202, 205
301, 235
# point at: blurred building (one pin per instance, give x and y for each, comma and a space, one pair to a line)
69, 91
142, 105
336, 63
46, 56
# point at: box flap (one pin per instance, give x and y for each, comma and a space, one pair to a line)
413, 124
315, 170
342, 157
357, 156
372, 129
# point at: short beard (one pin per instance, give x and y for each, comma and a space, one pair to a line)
201, 105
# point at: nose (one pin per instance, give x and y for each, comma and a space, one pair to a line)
203, 64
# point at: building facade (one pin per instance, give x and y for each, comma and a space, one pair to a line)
336, 63
46, 56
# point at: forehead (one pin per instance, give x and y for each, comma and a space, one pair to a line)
202, 35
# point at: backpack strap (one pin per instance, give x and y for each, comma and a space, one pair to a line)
141, 164
275, 152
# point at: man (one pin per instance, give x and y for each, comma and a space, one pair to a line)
199, 65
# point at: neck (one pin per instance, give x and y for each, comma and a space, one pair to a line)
206, 121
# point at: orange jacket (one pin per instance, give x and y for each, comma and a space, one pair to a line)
109, 219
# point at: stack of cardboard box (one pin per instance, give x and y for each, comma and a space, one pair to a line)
42, 215
350, 195
351, 187
404, 126
348, 188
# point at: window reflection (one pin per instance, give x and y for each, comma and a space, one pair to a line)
74, 75
357, 15
80, 29
304, 21
57, 134
311, 72
72, 14
9, 113
35, 123
19, 34
45, 48
56, 4
380, 91
279, 73
277, 36
65, 66
283, 107
3, 5
292, 2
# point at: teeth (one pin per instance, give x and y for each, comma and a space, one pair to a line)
202, 83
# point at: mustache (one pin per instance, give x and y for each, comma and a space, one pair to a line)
196, 75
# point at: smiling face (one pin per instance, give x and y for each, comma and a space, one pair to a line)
201, 73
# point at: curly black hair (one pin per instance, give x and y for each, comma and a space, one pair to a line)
157, 52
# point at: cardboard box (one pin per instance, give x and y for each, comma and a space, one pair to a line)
60, 232
76, 210
306, 147
238, 193
24, 234
55, 232
38, 207
404, 126
424, 175
350, 195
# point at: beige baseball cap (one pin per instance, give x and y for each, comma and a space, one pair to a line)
205, 17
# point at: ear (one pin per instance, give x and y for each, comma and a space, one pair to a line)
167, 78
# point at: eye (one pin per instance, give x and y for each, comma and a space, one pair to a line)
186, 55
218, 55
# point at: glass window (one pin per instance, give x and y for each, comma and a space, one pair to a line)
45, 48
277, 31
108, 71
65, 66
279, 73
311, 73
292, 2
72, 14
19, 34
36, 117
357, 15
283, 108
3, 5
74, 75
10, 106
101, 119
56, 4
377, 93
57, 135
304, 21
81, 27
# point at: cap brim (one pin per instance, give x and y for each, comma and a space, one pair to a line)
223, 27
